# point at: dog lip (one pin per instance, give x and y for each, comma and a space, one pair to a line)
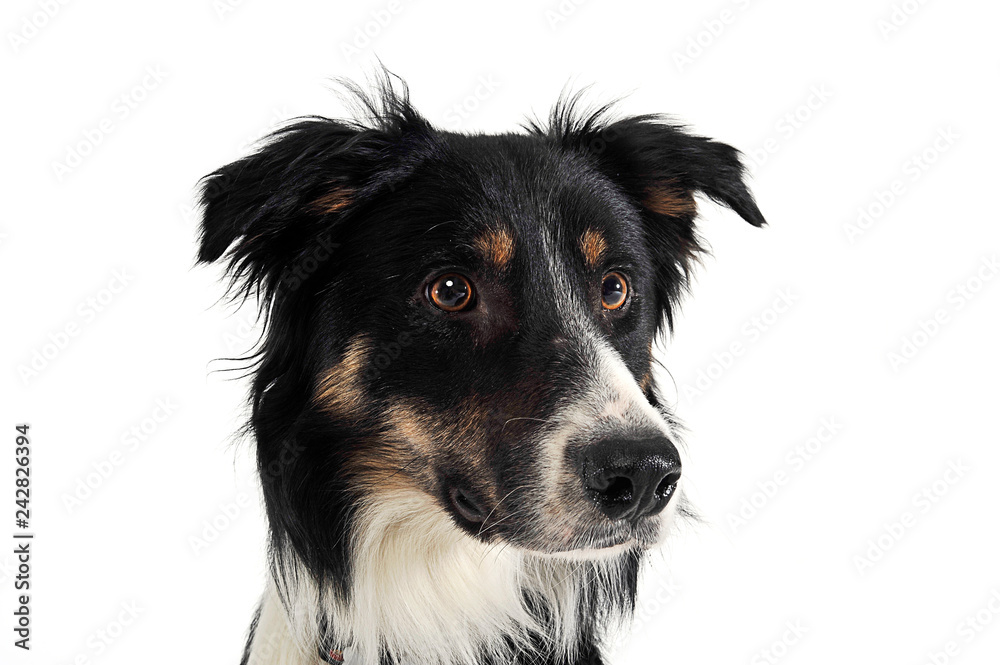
604, 549
634, 535
609, 543
609, 540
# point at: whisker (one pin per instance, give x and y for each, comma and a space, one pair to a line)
519, 487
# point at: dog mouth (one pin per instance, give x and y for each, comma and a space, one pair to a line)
608, 544
575, 534
641, 535
597, 540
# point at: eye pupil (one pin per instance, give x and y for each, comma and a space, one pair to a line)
614, 290
451, 292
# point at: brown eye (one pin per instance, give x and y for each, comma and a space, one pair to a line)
451, 292
614, 290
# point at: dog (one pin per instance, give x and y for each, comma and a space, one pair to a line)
462, 451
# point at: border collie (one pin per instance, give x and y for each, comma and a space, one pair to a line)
463, 455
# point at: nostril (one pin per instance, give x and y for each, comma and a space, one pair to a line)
619, 490
667, 485
465, 506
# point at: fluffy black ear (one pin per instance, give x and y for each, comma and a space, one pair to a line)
663, 166
265, 207
267, 211
656, 162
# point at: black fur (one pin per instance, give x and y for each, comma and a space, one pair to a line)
245, 660
408, 202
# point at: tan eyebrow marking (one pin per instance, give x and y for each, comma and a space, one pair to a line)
666, 197
592, 245
497, 247
335, 200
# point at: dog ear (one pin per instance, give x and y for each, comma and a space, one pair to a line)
268, 212
662, 166
267, 208
657, 163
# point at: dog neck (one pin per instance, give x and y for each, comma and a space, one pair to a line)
421, 591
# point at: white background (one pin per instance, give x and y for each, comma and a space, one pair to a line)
836, 106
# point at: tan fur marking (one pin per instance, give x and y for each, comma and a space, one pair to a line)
647, 378
336, 200
411, 423
388, 462
666, 197
414, 436
593, 246
339, 391
646, 382
497, 247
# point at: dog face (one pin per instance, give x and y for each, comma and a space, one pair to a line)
465, 323
503, 330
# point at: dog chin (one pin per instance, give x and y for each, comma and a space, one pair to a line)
589, 553
650, 534
610, 547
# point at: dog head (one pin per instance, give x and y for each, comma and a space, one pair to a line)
460, 327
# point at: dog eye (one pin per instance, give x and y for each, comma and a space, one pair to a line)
451, 292
614, 290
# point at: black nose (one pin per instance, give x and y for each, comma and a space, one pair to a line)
631, 478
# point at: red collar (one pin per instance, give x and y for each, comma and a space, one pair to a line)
328, 655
